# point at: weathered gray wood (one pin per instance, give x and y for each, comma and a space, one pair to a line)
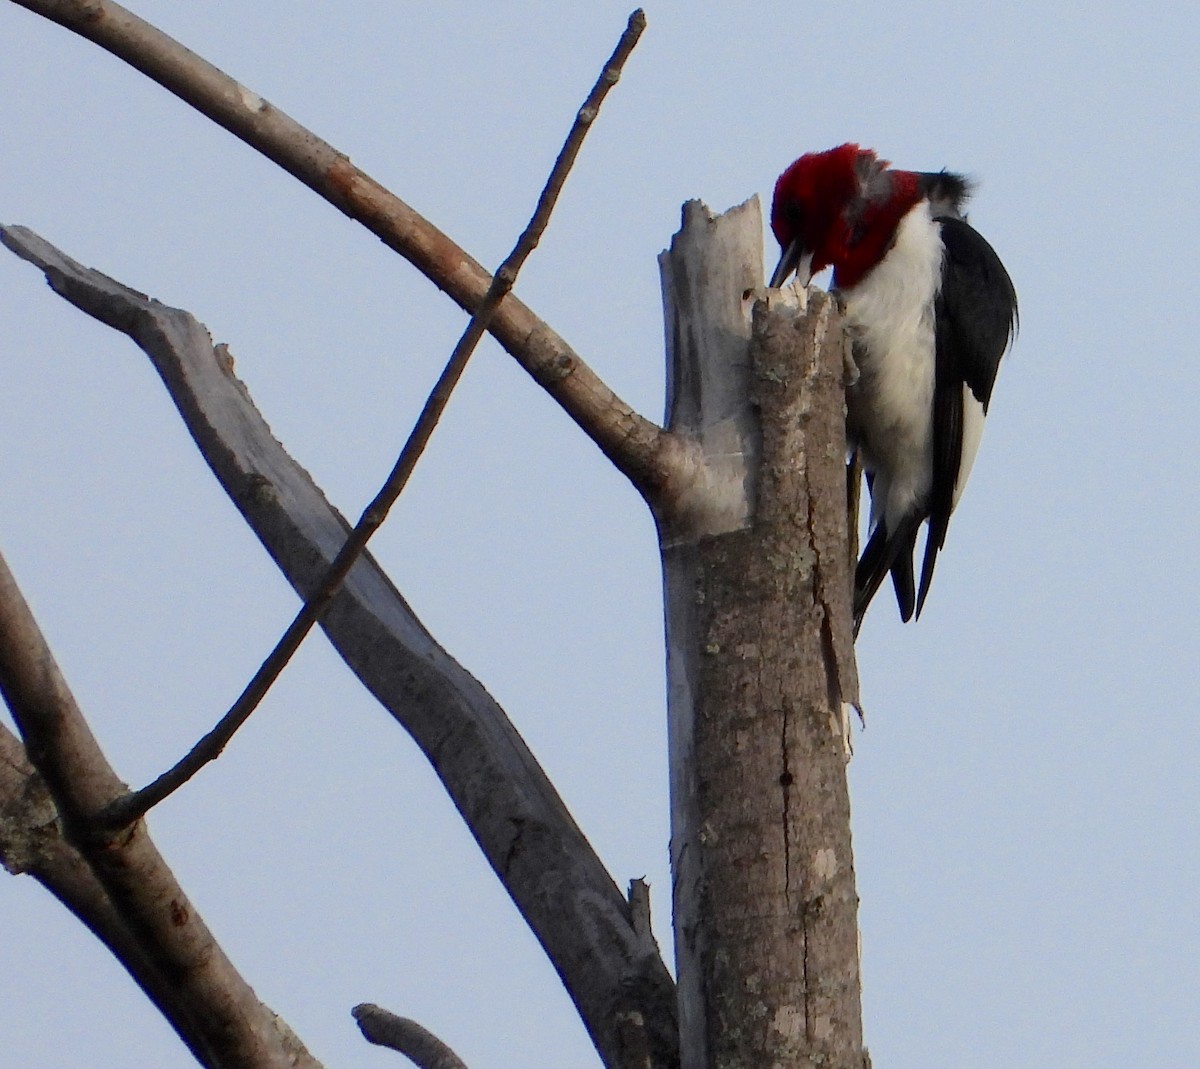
610, 966
416, 1043
32, 841
710, 270
760, 664
712, 262
213, 1008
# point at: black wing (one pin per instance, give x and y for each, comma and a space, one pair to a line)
976, 308
976, 315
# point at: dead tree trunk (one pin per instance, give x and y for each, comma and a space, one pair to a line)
760, 664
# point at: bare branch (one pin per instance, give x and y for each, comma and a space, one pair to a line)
31, 841
221, 1017
561, 888
418, 1044
637, 446
639, 906
137, 804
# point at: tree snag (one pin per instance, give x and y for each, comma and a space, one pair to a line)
760, 664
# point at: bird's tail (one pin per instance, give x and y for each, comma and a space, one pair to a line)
885, 553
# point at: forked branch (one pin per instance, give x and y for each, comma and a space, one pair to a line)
211, 1006
32, 842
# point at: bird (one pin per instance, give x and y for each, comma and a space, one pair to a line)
930, 311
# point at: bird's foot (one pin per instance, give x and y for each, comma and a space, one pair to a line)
850, 372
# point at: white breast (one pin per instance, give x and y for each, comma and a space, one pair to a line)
890, 409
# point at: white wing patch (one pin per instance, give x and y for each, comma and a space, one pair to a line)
972, 432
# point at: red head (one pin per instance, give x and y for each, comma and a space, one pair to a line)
838, 208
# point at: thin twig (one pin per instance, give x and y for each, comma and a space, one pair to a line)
417, 1044
134, 805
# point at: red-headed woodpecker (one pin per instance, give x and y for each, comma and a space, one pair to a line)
930, 311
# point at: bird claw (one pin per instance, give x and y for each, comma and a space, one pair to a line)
850, 372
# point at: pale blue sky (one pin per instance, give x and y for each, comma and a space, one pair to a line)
1025, 791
